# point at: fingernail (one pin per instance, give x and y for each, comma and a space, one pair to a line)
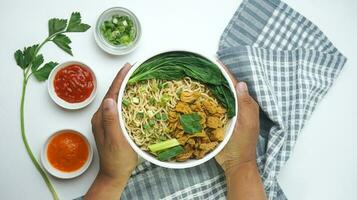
109, 104
242, 87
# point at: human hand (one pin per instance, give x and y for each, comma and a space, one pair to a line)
241, 148
117, 158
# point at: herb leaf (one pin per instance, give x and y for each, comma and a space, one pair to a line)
170, 153
43, 73
29, 54
191, 123
25, 57
75, 24
19, 57
56, 25
62, 41
37, 61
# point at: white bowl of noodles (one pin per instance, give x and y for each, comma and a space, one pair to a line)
193, 113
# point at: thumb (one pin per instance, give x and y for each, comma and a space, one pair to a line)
248, 110
110, 118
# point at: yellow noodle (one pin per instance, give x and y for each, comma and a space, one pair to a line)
149, 89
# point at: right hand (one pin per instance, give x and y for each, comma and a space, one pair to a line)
241, 148
117, 158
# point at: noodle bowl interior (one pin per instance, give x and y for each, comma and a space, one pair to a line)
173, 120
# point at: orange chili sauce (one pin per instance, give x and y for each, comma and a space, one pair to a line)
67, 151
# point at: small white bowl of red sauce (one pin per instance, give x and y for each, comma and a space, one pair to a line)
66, 154
72, 85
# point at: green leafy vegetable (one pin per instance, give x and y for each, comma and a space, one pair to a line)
37, 61
43, 73
56, 25
119, 30
30, 61
170, 153
178, 64
62, 41
191, 123
75, 24
163, 145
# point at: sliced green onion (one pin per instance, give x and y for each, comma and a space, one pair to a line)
162, 138
163, 145
146, 126
161, 116
135, 100
178, 93
150, 113
125, 102
151, 122
140, 115
119, 30
152, 101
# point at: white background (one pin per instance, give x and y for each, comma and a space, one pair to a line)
324, 163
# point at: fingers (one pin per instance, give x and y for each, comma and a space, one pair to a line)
234, 80
110, 119
248, 110
115, 86
97, 128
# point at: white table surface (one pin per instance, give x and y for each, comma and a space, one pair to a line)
324, 163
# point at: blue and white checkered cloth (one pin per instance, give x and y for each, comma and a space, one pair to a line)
289, 65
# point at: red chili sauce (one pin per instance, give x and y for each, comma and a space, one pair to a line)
67, 151
73, 83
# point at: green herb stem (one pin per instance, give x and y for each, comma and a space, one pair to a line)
24, 139
28, 60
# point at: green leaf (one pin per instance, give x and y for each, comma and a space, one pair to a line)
62, 41
75, 24
25, 57
29, 54
37, 61
43, 73
191, 123
56, 25
19, 57
170, 153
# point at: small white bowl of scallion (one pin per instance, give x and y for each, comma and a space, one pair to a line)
117, 31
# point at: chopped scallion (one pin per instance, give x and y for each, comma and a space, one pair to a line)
125, 102
163, 145
119, 30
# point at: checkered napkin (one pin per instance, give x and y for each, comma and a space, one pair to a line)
289, 65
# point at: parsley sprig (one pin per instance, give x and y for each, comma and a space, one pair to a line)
31, 62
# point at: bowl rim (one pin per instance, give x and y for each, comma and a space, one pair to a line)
105, 45
176, 165
58, 173
62, 103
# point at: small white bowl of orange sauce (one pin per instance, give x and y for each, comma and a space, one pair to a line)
66, 154
72, 85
